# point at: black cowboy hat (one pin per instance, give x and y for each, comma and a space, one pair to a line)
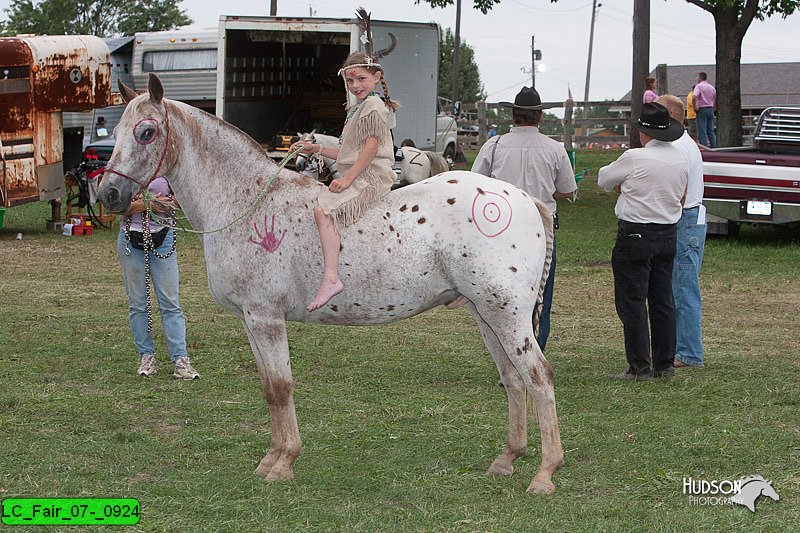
527, 98
655, 121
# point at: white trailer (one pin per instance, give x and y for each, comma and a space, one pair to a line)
185, 61
278, 76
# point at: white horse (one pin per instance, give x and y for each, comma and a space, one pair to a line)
415, 166
457, 234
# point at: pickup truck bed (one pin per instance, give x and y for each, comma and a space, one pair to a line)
757, 184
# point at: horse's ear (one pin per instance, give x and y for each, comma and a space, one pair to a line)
127, 93
155, 89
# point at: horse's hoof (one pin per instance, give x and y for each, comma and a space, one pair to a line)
280, 474
265, 465
500, 469
541, 487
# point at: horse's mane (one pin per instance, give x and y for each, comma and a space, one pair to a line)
438, 163
750, 479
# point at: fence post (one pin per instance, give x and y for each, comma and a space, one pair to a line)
661, 79
482, 125
568, 129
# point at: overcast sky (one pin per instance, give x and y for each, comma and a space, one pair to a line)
681, 34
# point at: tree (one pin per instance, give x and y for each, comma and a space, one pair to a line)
470, 86
484, 6
732, 18
104, 18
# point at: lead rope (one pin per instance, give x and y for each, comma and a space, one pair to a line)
148, 246
147, 238
261, 195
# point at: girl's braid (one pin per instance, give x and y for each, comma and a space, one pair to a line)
389, 102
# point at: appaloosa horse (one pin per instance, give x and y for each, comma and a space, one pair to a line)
456, 234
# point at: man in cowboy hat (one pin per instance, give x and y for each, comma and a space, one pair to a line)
652, 184
536, 164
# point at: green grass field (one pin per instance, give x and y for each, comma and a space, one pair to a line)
400, 421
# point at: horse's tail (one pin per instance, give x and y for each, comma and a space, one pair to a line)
547, 222
438, 163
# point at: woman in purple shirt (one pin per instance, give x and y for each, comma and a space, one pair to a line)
162, 262
650, 94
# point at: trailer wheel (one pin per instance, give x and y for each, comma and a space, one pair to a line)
450, 154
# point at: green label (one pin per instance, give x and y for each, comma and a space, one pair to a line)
69, 511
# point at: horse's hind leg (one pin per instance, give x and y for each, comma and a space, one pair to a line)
271, 350
516, 337
517, 442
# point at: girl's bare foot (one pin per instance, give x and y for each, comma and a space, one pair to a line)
325, 292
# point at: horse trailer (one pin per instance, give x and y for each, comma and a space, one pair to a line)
186, 61
40, 78
279, 76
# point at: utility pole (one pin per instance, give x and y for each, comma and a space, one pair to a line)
533, 64
456, 55
641, 60
595, 6
273, 8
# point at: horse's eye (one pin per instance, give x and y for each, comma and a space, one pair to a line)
145, 131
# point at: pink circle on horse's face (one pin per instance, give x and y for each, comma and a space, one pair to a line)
145, 131
491, 213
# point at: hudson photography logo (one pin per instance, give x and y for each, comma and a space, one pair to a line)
744, 491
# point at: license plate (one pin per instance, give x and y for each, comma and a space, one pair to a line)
759, 208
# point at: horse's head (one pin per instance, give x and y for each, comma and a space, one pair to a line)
302, 159
769, 491
329, 171
140, 152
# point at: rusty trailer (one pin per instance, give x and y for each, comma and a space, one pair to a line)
40, 77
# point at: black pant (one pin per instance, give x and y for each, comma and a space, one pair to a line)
642, 261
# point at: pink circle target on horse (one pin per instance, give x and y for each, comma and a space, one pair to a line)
419, 247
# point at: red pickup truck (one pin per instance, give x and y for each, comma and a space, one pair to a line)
757, 184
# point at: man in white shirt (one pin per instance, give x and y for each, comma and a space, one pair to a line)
652, 184
536, 164
689, 256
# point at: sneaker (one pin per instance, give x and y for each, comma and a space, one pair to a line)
184, 370
147, 366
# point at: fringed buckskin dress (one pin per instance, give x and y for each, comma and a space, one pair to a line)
371, 119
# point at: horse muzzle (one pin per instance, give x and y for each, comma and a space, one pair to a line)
114, 198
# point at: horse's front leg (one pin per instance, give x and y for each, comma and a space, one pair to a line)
271, 350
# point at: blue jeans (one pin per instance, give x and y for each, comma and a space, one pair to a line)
547, 302
642, 262
164, 275
686, 288
705, 127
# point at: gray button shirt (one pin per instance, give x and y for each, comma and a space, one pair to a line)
652, 183
530, 160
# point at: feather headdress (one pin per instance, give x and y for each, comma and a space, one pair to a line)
372, 57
